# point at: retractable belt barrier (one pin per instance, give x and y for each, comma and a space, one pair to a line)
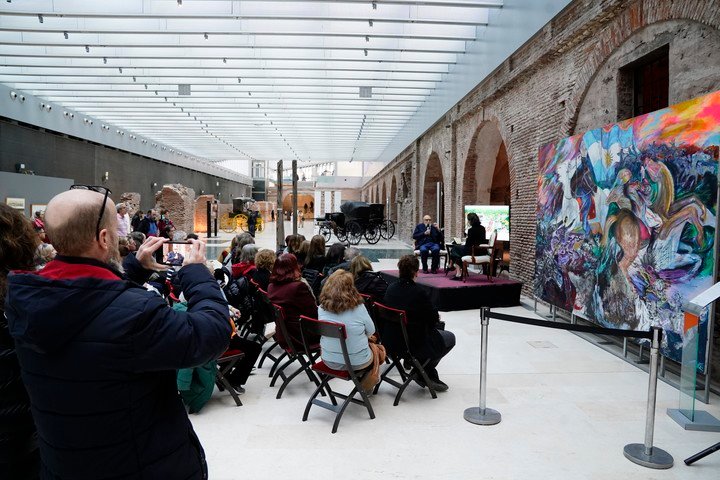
641, 453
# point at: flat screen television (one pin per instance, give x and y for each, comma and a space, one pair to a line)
492, 217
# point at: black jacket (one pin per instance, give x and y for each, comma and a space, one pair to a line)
424, 339
371, 283
19, 455
98, 357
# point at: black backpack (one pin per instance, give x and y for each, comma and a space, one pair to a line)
236, 290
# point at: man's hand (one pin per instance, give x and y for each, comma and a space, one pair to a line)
145, 254
196, 253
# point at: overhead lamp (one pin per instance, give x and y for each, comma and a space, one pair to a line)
365, 50
374, 5
13, 95
120, 69
367, 38
87, 48
65, 34
239, 80
224, 60
40, 18
370, 22
134, 79
206, 36
153, 185
104, 59
179, 2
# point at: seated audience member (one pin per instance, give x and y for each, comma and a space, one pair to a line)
19, 455
334, 256
340, 302
41, 235
123, 227
149, 225
124, 246
246, 265
293, 243
288, 290
348, 256
138, 238
475, 236
264, 261
132, 423
315, 258
428, 239
366, 281
301, 253
43, 255
168, 231
426, 341
241, 240
192, 236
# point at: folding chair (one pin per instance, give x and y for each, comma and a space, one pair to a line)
392, 318
225, 364
369, 302
305, 356
311, 326
265, 313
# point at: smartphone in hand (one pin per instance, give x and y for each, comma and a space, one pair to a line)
174, 253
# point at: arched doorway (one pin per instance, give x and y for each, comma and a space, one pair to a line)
383, 197
432, 204
306, 204
486, 176
393, 207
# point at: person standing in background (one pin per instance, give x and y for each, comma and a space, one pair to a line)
121, 209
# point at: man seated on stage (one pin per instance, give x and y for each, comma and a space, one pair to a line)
428, 239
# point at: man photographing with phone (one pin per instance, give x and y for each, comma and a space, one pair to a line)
98, 352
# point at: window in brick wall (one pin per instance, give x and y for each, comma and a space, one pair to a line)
644, 85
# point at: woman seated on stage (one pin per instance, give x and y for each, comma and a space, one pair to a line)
475, 236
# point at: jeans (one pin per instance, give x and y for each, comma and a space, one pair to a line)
434, 250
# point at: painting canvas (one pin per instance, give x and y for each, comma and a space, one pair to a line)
626, 219
492, 217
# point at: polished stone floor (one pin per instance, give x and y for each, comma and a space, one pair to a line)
568, 410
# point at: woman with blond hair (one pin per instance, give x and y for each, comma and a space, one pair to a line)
340, 302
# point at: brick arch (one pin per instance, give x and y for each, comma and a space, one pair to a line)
431, 174
383, 196
478, 173
619, 31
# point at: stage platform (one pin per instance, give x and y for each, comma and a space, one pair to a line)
448, 295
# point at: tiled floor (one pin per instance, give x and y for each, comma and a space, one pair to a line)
568, 409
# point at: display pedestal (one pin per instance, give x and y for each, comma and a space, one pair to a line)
702, 422
686, 415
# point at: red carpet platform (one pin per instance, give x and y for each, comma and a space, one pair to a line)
476, 292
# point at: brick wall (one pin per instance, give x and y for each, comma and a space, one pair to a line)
563, 80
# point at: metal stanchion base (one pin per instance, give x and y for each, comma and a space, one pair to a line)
658, 458
482, 417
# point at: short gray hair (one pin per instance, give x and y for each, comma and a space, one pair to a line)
351, 253
248, 252
120, 205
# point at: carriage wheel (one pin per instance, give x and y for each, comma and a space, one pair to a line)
259, 224
341, 233
326, 232
354, 233
227, 224
372, 234
242, 222
387, 229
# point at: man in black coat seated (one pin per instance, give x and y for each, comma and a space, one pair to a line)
99, 353
428, 239
426, 340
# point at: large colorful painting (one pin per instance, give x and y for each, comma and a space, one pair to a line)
626, 219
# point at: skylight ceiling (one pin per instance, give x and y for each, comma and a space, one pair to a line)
268, 79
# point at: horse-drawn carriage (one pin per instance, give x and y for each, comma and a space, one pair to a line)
238, 218
355, 221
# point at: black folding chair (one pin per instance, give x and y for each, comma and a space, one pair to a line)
305, 356
311, 326
265, 313
393, 319
369, 306
225, 364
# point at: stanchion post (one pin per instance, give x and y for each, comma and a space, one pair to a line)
482, 415
645, 454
